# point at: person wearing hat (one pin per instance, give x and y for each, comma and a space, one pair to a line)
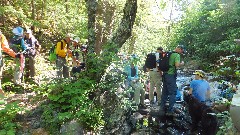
32, 44
199, 88
169, 81
155, 78
4, 47
62, 50
75, 51
18, 45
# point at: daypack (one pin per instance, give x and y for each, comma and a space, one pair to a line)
52, 52
150, 61
164, 61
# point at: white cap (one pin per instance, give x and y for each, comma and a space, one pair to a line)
29, 31
77, 39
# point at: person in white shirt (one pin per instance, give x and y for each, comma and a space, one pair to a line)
155, 79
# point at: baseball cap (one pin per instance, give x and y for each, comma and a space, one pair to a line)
29, 31
182, 47
199, 73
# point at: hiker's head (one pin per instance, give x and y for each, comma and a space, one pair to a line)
76, 41
68, 38
28, 33
180, 49
199, 74
159, 49
18, 31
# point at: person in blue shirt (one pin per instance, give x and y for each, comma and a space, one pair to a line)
199, 88
18, 45
133, 81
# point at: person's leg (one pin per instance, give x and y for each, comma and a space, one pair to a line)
142, 92
172, 89
65, 69
164, 93
59, 66
17, 73
27, 67
136, 97
159, 88
152, 85
32, 66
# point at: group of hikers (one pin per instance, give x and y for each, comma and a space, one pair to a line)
24, 47
163, 80
69, 48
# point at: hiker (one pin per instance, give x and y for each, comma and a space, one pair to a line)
77, 52
62, 54
169, 80
133, 81
200, 88
5, 47
155, 77
32, 44
18, 45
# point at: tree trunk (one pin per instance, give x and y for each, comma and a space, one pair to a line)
114, 44
104, 25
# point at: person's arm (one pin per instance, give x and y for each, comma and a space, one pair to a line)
136, 76
177, 61
208, 93
23, 45
190, 91
6, 49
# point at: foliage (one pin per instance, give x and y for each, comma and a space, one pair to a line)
8, 113
228, 67
208, 31
70, 101
226, 125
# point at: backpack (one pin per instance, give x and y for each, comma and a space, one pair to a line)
150, 61
52, 52
163, 62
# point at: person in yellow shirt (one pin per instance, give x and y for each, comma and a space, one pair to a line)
62, 54
5, 47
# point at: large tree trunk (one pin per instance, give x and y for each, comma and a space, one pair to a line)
114, 44
104, 24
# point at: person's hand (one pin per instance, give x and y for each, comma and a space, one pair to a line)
182, 63
18, 55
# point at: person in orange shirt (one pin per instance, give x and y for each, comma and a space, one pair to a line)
5, 47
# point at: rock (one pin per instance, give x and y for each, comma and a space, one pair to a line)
71, 128
40, 131
234, 111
